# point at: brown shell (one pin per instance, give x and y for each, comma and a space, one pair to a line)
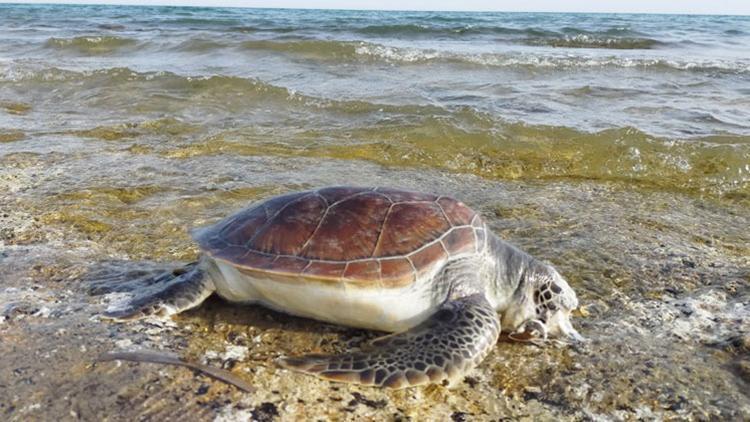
362, 236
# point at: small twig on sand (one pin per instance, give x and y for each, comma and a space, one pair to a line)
172, 359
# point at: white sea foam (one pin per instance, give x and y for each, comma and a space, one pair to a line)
542, 60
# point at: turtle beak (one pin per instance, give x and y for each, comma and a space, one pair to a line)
560, 325
567, 329
573, 334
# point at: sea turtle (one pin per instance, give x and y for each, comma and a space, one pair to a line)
422, 266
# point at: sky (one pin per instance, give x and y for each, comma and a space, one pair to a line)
729, 7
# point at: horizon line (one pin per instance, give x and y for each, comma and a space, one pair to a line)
192, 6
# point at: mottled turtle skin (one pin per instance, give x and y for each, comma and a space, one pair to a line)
422, 266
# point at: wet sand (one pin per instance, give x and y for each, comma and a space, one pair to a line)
664, 279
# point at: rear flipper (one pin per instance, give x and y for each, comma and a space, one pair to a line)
121, 277
155, 293
439, 350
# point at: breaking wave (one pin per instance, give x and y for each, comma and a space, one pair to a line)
359, 50
93, 45
592, 41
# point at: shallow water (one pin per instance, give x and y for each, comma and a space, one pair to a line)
614, 146
654, 99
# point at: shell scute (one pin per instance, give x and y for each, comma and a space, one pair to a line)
460, 240
338, 193
290, 228
346, 231
257, 260
238, 234
325, 270
397, 195
363, 270
456, 211
290, 264
396, 272
210, 241
232, 253
422, 258
408, 227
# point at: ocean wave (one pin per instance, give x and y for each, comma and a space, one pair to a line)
548, 61
203, 22
92, 45
200, 45
400, 30
734, 32
323, 49
474, 29
165, 126
459, 139
462, 142
362, 51
616, 38
592, 41
345, 50
247, 29
417, 30
615, 30
214, 86
348, 51
111, 26
10, 135
569, 37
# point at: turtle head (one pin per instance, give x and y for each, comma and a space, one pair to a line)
547, 300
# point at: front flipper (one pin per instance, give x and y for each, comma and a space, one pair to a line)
531, 331
439, 350
158, 294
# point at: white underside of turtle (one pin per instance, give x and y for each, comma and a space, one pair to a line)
373, 308
445, 308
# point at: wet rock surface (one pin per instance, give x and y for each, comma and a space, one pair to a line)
663, 279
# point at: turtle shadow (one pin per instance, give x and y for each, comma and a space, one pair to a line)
216, 311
